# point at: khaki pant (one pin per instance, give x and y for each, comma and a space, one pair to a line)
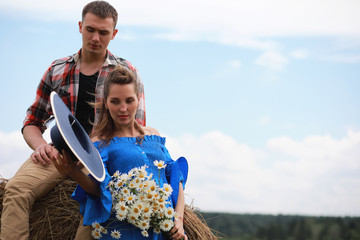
31, 182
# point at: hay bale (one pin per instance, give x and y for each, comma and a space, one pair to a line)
195, 225
56, 216
2, 187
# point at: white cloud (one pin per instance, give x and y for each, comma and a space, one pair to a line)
318, 175
235, 64
265, 120
272, 60
13, 152
231, 22
343, 58
299, 53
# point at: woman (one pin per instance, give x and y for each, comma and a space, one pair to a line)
124, 145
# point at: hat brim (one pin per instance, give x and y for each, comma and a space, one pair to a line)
70, 135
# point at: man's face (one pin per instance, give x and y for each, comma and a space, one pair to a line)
96, 33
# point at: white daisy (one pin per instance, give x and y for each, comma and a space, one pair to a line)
145, 233
121, 207
167, 189
150, 196
116, 174
161, 199
155, 207
132, 217
162, 207
146, 209
142, 174
169, 212
103, 230
130, 198
166, 225
144, 225
96, 225
160, 164
151, 186
125, 191
120, 216
115, 234
139, 204
135, 211
96, 234
157, 230
135, 183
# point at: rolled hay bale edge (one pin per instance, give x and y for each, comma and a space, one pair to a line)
56, 215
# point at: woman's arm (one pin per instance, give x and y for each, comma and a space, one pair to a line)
178, 232
66, 166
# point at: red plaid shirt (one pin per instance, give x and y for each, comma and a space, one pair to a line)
63, 77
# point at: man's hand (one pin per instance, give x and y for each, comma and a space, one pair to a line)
45, 154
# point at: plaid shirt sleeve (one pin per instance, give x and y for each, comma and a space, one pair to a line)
140, 114
40, 111
58, 77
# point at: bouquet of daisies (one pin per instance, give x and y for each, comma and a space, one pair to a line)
138, 199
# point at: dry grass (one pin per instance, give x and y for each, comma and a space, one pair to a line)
56, 216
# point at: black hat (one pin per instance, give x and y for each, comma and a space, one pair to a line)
68, 134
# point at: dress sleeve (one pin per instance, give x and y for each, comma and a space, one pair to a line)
176, 172
95, 208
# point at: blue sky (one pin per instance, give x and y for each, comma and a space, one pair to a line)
261, 97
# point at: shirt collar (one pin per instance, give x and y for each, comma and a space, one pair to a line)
109, 60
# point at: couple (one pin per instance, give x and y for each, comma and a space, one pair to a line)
114, 86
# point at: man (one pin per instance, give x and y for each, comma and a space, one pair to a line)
78, 79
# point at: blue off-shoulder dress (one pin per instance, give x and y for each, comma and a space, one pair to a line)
124, 154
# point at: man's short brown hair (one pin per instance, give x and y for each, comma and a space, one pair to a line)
101, 9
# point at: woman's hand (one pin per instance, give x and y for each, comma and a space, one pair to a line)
178, 232
65, 165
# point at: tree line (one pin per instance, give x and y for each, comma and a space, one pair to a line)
282, 227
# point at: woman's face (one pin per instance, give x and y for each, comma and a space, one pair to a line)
122, 103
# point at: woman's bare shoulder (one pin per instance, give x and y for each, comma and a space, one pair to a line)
95, 139
151, 131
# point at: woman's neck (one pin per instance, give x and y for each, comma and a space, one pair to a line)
133, 130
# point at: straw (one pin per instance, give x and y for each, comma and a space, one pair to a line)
56, 215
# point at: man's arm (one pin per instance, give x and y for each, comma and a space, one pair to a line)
43, 152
